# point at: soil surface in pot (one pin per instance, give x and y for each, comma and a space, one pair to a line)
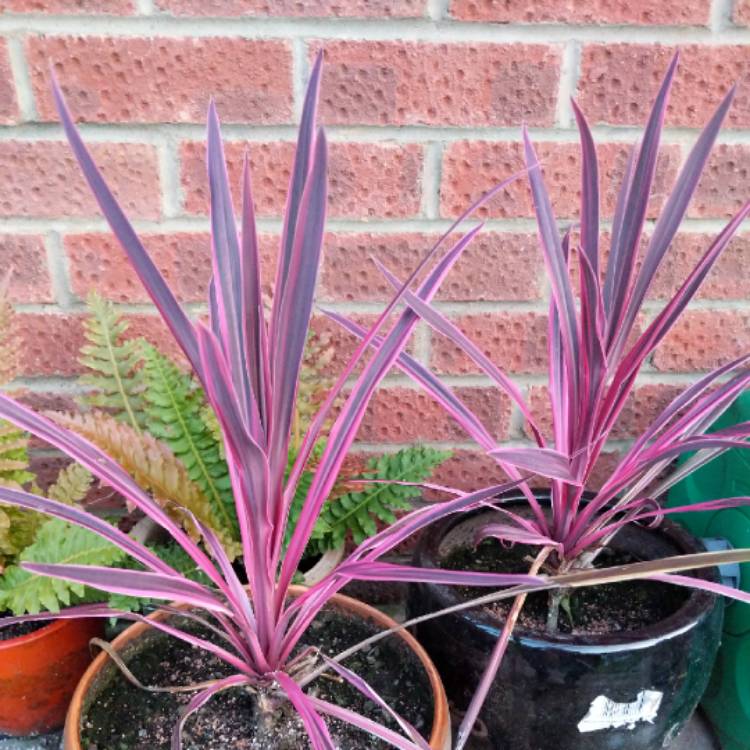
608, 608
20, 628
128, 718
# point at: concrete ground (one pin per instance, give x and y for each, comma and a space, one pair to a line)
696, 736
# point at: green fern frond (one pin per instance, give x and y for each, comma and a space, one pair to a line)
18, 529
153, 466
72, 485
56, 541
357, 513
175, 411
14, 456
113, 364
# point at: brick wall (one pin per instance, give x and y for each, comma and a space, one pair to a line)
423, 100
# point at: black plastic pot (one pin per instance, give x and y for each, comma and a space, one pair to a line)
624, 691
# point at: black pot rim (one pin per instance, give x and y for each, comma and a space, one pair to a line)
696, 607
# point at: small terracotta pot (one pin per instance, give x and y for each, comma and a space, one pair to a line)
440, 739
39, 673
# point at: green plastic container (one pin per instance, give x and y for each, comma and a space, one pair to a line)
727, 699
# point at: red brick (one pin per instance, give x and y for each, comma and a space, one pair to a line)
291, 8
25, 256
703, 340
729, 278
364, 179
342, 343
51, 342
149, 79
9, 114
725, 185
42, 179
409, 83
97, 262
619, 82
640, 12
495, 266
405, 415
469, 470
516, 342
470, 168
644, 404
741, 14
114, 7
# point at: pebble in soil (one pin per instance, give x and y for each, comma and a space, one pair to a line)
124, 717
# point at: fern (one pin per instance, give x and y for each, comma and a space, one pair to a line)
18, 529
152, 465
72, 485
113, 364
56, 541
358, 512
14, 456
175, 408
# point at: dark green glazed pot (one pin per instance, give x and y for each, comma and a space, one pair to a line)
623, 691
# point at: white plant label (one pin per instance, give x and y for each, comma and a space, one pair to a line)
608, 714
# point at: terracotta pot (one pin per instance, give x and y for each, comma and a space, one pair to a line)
440, 738
39, 672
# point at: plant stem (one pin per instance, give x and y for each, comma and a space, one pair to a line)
553, 610
498, 652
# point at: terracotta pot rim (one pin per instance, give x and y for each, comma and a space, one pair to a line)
440, 737
42, 632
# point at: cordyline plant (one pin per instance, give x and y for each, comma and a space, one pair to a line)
595, 354
248, 367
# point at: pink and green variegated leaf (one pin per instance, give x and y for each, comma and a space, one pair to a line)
152, 280
106, 469
555, 262
623, 254
199, 700
362, 722
442, 325
360, 684
302, 159
673, 213
513, 535
442, 393
314, 431
703, 585
256, 335
668, 316
134, 583
317, 729
345, 427
79, 517
372, 571
296, 306
543, 461
228, 274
